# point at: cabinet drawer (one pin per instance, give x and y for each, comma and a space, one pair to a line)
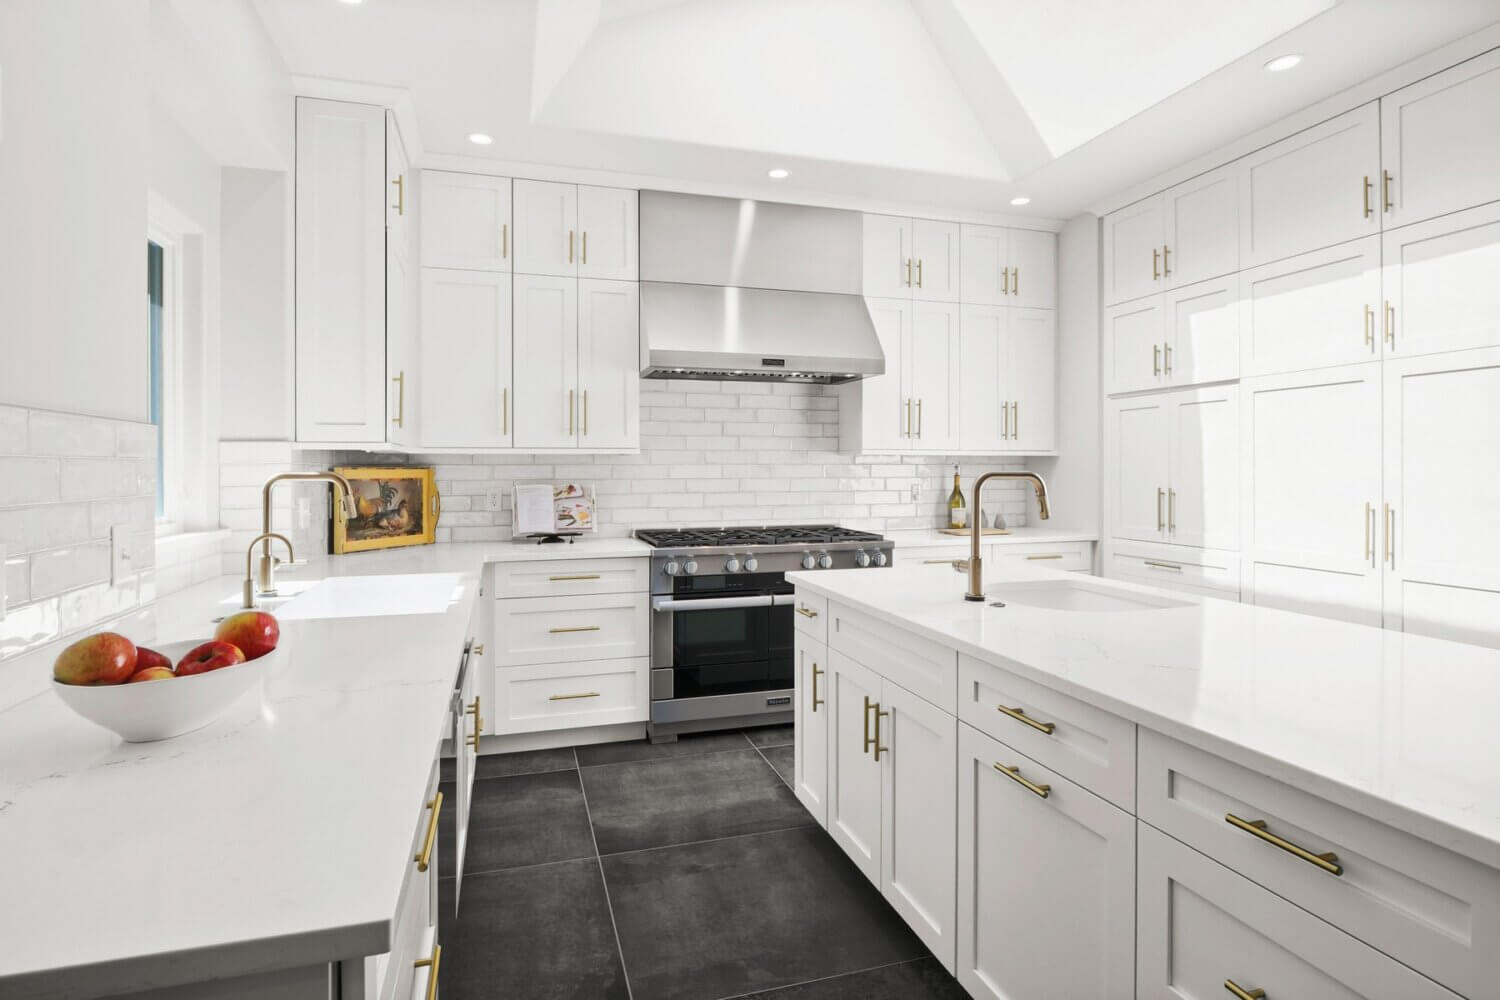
567, 629
416, 912
570, 577
1086, 744
923, 667
934, 555
1043, 555
1424, 906
810, 615
567, 695
1199, 926
1195, 571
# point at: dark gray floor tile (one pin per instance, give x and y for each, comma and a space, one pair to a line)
773, 736
540, 933
692, 743
503, 765
733, 916
528, 819
682, 799
923, 979
781, 758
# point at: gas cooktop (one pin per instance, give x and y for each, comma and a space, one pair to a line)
784, 535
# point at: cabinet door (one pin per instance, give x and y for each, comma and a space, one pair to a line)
1046, 884
608, 238
1133, 238
470, 722
609, 364
810, 720
854, 775
398, 194
1137, 467
934, 375
466, 221
935, 245
400, 339
1030, 379
1203, 496
1315, 189
879, 404
984, 424
1439, 143
1313, 311
546, 222
340, 288
1033, 269
1201, 926
465, 384
1202, 228
546, 362
889, 264
1134, 335
1311, 471
919, 810
1202, 338
1439, 281
1442, 488
985, 253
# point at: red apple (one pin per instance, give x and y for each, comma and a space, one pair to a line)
255, 632
152, 674
101, 658
147, 658
210, 656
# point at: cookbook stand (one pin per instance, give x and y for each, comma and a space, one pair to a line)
548, 514
549, 538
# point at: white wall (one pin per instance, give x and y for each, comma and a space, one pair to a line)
255, 378
73, 162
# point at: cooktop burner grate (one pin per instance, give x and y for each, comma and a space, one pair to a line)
802, 534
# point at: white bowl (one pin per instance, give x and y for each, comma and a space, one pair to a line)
159, 710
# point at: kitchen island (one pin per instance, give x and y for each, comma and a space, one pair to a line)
1161, 778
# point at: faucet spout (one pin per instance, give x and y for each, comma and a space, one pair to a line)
343, 493
249, 601
976, 564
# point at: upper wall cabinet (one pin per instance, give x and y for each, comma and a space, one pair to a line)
401, 283
572, 230
466, 221
1187, 336
911, 258
1008, 267
1314, 189
1313, 310
1181, 236
1006, 400
341, 199
1440, 147
1439, 283
464, 398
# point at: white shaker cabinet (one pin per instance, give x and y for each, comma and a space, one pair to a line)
1439, 279
401, 288
811, 714
1312, 311
1007, 377
546, 361
465, 372
608, 235
1440, 553
1440, 148
873, 412
1132, 250
1046, 877
1314, 189
1182, 235
1137, 466
1009, 267
855, 781
1134, 333
466, 221
1186, 336
911, 258
1311, 469
933, 373
546, 228
608, 364
936, 246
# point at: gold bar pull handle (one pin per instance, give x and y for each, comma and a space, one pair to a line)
1005, 281
400, 205
880, 714
1015, 420
505, 410
1171, 511
400, 418
1368, 186
585, 412
570, 246
1390, 535
816, 673
1156, 359
1005, 421
806, 612
1174, 567
1369, 328
1015, 281
1385, 190
919, 273
1243, 994
584, 259
575, 628
1166, 359
868, 705
908, 272
573, 697
1327, 861
434, 961
504, 240
906, 428
1020, 716
1390, 325
571, 393
1050, 555
1370, 533
1014, 774
424, 858
473, 710
478, 649
1155, 264
1161, 523
1166, 266
573, 576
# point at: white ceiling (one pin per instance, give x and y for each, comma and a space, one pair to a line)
947, 103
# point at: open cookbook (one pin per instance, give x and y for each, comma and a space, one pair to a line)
553, 509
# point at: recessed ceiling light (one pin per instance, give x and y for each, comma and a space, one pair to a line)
778, 173
1020, 200
352, 3
1283, 63
480, 139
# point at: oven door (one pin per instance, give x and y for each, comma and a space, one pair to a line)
723, 641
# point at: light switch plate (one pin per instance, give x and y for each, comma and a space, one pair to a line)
121, 558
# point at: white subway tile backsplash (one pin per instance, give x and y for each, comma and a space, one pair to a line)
69, 434
99, 478
29, 481
12, 430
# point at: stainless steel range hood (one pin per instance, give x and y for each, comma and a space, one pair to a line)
754, 290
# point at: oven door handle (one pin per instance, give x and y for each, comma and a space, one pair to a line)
710, 603
782, 600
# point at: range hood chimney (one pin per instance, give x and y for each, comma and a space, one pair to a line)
753, 290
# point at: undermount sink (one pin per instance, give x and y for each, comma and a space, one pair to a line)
369, 597
1077, 595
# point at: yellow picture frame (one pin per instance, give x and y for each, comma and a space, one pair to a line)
397, 506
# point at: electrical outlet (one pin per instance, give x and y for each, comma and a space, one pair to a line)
492, 500
121, 558
304, 513
916, 492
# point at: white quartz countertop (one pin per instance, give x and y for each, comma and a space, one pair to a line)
1398, 727
931, 537
276, 836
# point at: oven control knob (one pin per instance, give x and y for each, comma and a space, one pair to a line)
751, 564
808, 560
672, 568
862, 558
690, 567
825, 561
731, 565
880, 559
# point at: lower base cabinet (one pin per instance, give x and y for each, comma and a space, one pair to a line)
810, 721
1046, 881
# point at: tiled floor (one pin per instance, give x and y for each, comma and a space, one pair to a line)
685, 871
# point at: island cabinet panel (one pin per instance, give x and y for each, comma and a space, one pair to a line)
924, 667
854, 778
810, 719
1046, 881
1084, 743
1426, 907
1201, 927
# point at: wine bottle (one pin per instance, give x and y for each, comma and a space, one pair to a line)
958, 514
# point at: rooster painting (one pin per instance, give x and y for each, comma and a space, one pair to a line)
393, 506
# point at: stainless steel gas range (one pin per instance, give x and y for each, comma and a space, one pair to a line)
721, 619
